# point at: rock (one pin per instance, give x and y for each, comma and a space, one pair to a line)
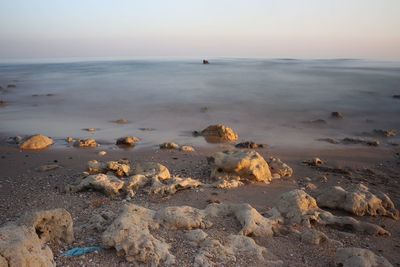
329, 140
16, 140
249, 144
23, 243
3, 103
127, 141
169, 145
94, 167
366, 142
278, 167
122, 121
151, 169
102, 153
337, 115
396, 96
227, 184
313, 237
100, 221
120, 167
69, 139
317, 122
187, 149
11, 85
248, 165
384, 133
173, 185
297, 207
49, 167
108, 184
90, 129
314, 162
84, 143
205, 62
358, 257
219, 133
36, 142
147, 129
357, 200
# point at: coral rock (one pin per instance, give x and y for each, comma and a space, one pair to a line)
36, 142
279, 167
219, 133
358, 257
90, 142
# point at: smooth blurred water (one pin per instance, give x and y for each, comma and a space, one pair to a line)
264, 100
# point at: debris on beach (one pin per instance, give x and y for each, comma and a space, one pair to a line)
218, 134
85, 143
249, 145
25, 240
359, 257
279, 169
35, 142
336, 115
240, 165
127, 141
358, 200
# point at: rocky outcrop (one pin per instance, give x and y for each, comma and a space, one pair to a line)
120, 168
211, 252
359, 257
151, 169
23, 243
279, 169
297, 207
108, 184
85, 143
218, 134
239, 165
130, 233
357, 200
127, 141
36, 142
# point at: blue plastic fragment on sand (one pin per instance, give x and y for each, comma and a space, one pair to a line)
74, 252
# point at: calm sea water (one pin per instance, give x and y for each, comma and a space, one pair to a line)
263, 100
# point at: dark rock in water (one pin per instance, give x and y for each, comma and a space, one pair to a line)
121, 121
249, 144
196, 133
396, 96
316, 122
127, 141
205, 61
2, 103
204, 109
329, 140
337, 115
349, 140
169, 145
147, 129
11, 86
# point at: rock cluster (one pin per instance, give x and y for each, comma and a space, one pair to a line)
175, 146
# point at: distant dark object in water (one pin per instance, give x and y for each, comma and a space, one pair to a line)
249, 144
196, 133
11, 86
337, 115
2, 103
396, 96
205, 61
204, 109
121, 121
349, 140
329, 140
147, 129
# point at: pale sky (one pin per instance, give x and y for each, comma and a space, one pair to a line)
200, 28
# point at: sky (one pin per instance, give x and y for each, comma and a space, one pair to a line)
367, 29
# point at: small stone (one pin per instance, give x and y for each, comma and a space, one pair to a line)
102, 153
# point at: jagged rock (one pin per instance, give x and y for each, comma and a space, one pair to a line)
249, 144
120, 167
151, 169
108, 184
248, 165
48, 167
172, 185
127, 141
359, 257
23, 243
357, 200
385, 133
37, 142
212, 252
219, 133
130, 235
90, 142
366, 142
279, 167
337, 115
169, 145
297, 207
187, 149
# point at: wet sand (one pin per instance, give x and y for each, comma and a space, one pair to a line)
23, 189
